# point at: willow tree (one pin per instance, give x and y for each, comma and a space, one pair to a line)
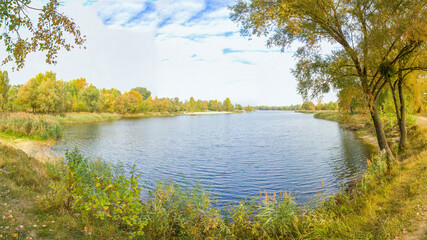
22, 32
366, 32
405, 68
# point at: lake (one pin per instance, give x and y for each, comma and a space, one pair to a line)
235, 155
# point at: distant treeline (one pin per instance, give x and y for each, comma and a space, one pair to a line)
46, 94
307, 105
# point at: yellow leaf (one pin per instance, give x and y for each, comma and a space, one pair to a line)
15, 235
106, 208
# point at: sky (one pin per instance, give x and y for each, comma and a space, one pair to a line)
175, 48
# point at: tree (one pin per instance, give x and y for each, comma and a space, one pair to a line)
27, 94
227, 106
49, 96
4, 89
89, 96
22, 35
405, 66
12, 97
132, 101
369, 33
307, 106
143, 91
248, 109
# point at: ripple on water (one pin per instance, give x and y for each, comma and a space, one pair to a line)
236, 155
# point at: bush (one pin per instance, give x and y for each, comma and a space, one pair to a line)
92, 191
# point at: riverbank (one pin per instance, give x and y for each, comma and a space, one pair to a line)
379, 207
358, 122
206, 113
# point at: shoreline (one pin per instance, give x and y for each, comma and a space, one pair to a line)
359, 128
358, 200
38, 150
205, 113
41, 150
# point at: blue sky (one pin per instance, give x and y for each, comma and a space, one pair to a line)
176, 48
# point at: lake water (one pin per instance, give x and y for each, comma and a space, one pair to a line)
236, 155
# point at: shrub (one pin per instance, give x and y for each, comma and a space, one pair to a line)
92, 190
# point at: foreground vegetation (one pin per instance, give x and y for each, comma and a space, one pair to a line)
86, 199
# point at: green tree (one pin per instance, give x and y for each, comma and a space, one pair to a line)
369, 33
143, 91
89, 96
12, 104
27, 94
227, 106
249, 109
4, 89
132, 101
106, 101
49, 95
307, 106
50, 32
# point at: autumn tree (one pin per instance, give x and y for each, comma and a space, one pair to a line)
397, 76
248, 109
227, 106
27, 94
143, 91
214, 105
307, 105
132, 101
106, 99
23, 34
368, 34
89, 96
4, 89
12, 103
49, 95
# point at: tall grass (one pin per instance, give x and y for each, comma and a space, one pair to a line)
83, 117
28, 125
96, 193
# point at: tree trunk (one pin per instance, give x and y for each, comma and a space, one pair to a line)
402, 122
379, 130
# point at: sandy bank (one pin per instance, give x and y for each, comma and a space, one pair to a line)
38, 150
206, 113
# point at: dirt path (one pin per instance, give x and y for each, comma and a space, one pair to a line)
421, 226
422, 120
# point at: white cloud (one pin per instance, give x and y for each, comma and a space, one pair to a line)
174, 48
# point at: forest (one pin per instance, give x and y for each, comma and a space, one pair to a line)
45, 94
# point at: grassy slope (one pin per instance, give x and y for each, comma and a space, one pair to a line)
23, 184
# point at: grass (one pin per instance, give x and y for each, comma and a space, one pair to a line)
35, 127
84, 117
86, 199
90, 199
42, 127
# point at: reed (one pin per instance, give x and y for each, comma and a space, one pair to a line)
36, 127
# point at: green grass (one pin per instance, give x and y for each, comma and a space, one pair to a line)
83, 117
37, 127
89, 199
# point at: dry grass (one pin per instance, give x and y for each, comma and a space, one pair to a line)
38, 127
